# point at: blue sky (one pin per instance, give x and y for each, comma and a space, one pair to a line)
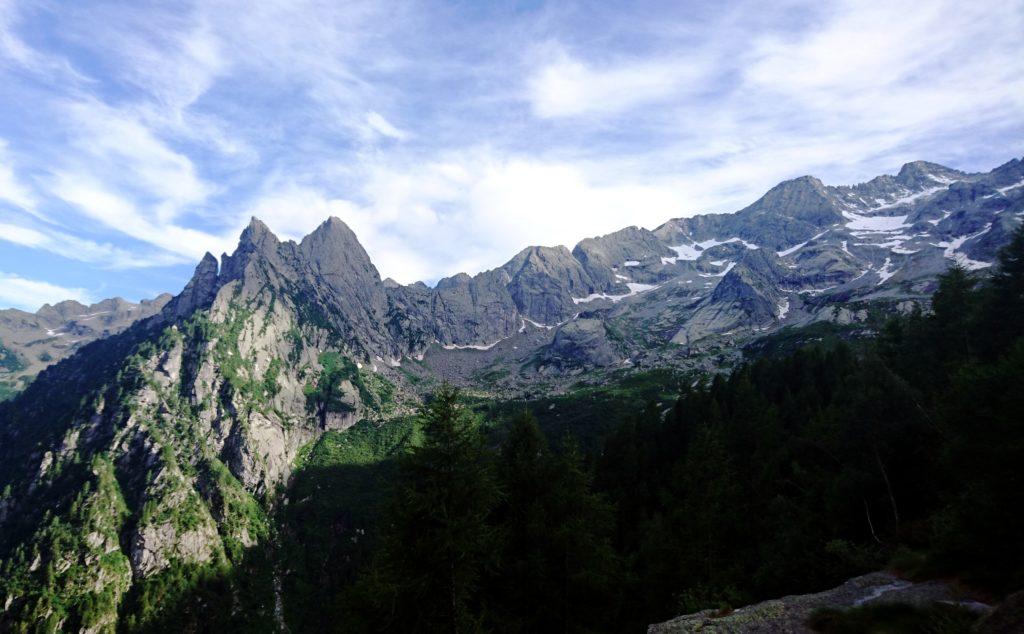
135, 136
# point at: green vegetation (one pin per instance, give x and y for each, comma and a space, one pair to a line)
8, 389
73, 545
328, 393
589, 413
9, 360
334, 503
604, 509
63, 557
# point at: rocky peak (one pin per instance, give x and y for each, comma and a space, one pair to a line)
918, 174
805, 198
62, 311
200, 290
1007, 174
334, 250
256, 234
256, 238
459, 279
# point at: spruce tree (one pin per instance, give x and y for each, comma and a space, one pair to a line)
558, 567
437, 540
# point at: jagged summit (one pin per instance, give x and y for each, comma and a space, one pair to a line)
255, 234
333, 249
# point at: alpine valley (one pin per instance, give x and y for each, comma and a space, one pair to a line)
227, 459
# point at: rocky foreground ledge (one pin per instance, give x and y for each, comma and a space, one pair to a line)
790, 614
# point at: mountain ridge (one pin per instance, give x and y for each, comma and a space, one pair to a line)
173, 440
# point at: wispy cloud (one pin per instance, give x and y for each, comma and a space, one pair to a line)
71, 247
30, 294
566, 87
380, 125
12, 190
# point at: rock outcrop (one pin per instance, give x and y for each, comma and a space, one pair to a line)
790, 614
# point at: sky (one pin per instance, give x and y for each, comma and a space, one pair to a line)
135, 136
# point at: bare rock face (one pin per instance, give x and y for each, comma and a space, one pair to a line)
200, 290
1007, 618
790, 614
581, 343
154, 546
747, 297
543, 281
602, 256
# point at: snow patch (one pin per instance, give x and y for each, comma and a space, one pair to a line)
790, 250
885, 272
875, 224
537, 325
879, 591
952, 250
783, 309
631, 263
906, 200
488, 346
634, 289
1003, 190
694, 251
720, 273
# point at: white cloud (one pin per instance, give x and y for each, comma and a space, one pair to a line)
566, 87
292, 211
121, 215
22, 235
379, 124
13, 50
73, 247
122, 150
469, 211
900, 66
11, 189
30, 295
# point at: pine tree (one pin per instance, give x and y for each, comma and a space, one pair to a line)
1004, 303
437, 540
558, 565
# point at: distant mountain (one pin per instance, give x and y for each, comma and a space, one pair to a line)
156, 451
30, 342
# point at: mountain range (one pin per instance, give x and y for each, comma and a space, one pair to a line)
161, 436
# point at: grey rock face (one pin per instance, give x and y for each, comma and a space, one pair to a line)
790, 614
581, 343
543, 281
748, 296
200, 290
632, 247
